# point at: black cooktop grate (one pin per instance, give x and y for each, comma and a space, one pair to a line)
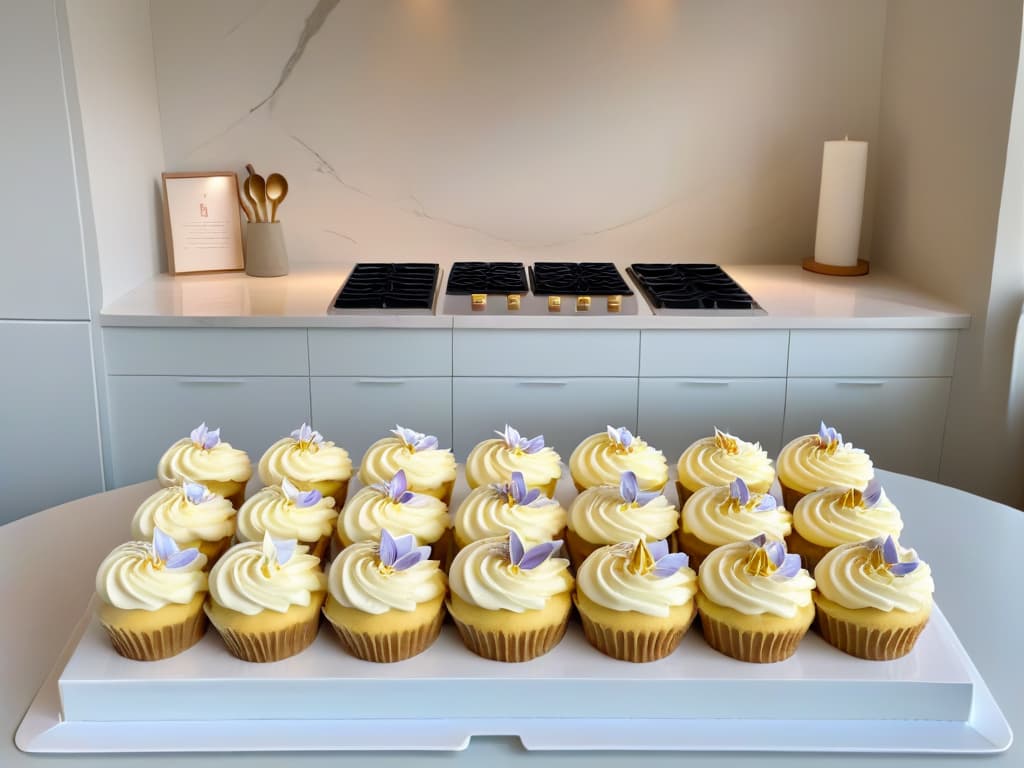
690, 286
585, 278
389, 286
466, 277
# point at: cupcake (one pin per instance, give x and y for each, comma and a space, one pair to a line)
636, 600
285, 512
830, 517
393, 506
386, 599
510, 602
309, 462
494, 461
265, 599
191, 515
811, 462
609, 514
428, 469
494, 510
874, 598
151, 598
602, 458
718, 459
755, 600
714, 516
204, 458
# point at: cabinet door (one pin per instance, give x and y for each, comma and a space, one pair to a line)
899, 422
148, 413
564, 410
675, 412
354, 411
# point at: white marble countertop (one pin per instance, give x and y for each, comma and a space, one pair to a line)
791, 297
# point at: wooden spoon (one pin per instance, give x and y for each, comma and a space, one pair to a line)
258, 194
277, 190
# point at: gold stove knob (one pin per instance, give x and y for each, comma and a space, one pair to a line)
554, 303
614, 303
478, 301
582, 303
514, 302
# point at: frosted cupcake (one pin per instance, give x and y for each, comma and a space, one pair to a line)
386, 600
494, 510
754, 601
830, 517
204, 458
151, 598
191, 515
510, 601
874, 598
428, 469
602, 458
610, 514
812, 462
636, 600
265, 599
717, 515
285, 512
718, 459
494, 461
309, 462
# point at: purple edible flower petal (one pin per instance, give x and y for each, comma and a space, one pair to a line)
620, 435
411, 558
182, 558
667, 565
872, 493
515, 548
902, 569
889, 551
205, 438
790, 567
534, 444
828, 435
759, 540
306, 434
301, 499
766, 504
285, 548
629, 487
517, 485
196, 493
415, 440
515, 441
776, 552
164, 547
658, 549
739, 491
538, 554
388, 548
398, 486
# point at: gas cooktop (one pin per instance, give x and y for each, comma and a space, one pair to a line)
403, 287
670, 287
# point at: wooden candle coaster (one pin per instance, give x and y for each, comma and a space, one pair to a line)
861, 268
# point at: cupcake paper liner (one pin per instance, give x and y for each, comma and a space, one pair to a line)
789, 496
271, 646
868, 642
512, 646
683, 493
638, 647
159, 644
388, 648
756, 647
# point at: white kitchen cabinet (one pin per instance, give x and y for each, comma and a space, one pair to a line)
888, 352
556, 353
380, 352
356, 411
675, 412
899, 421
732, 353
564, 410
148, 413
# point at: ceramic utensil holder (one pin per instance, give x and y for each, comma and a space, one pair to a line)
265, 254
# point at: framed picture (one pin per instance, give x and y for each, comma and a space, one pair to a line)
202, 222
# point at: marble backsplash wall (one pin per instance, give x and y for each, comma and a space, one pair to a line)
536, 129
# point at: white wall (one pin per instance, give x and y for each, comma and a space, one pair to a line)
665, 130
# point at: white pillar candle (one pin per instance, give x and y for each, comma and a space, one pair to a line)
841, 202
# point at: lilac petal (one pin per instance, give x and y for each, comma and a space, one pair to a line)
872, 493
408, 436
517, 486
766, 504
406, 497
613, 434
823, 433
305, 499
776, 552
411, 499
163, 545
658, 549
411, 558
625, 437
388, 547
538, 554
289, 489
195, 492
285, 548
531, 496
790, 567
212, 439
628, 486
426, 443
534, 444
198, 434
182, 558
643, 498
902, 569
890, 551
515, 548
404, 545
303, 434
398, 485
759, 540
670, 564
739, 491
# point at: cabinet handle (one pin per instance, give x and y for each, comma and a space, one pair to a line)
387, 382
214, 382
542, 383
706, 383
861, 383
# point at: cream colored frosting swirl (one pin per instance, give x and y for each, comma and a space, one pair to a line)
805, 466
713, 516
725, 579
371, 509
132, 578
357, 580
599, 460
721, 458
306, 462
834, 516
187, 461
482, 575
249, 578
854, 576
487, 512
492, 461
427, 469
605, 578
601, 516
272, 510
170, 510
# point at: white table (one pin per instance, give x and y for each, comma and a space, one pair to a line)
48, 560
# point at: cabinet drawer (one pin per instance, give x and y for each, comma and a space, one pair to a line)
355, 412
207, 351
872, 353
675, 412
563, 410
545, 353
148, 413
899, 422
713, 353
380, 352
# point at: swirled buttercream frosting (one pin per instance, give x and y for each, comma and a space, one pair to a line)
749, 578
494, 460
717, 515
718, 459
875, 574
187, 512
834, 516
811, 462
304, 457
201, 457
361, 579
266, 575
374, 508
426, 468
286, 513
494, 510
135, 577
601, 515
603, 457
627, 577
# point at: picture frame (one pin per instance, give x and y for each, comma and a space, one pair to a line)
202, 222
